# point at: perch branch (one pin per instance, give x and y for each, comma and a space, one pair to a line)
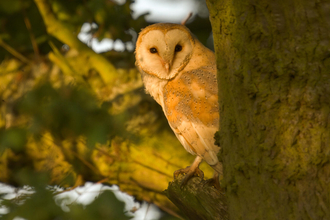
198, 200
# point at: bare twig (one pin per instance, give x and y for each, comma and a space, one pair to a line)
103, 180
144, 187
14, 52
151, 168
185, 20
85, 162
33, 39
105, 153
166, 160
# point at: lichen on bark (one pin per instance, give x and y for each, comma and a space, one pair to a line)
274, 107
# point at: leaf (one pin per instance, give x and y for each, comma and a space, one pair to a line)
105, 207
14, 138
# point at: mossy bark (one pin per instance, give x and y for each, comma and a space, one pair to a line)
274, 92
198, 200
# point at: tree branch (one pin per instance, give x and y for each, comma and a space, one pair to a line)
32, 37
62, 32
14, 52
197, 200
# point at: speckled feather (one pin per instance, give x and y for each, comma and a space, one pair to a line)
191, 109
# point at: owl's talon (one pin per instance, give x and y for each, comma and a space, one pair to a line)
180, 171
214, 181
190, 172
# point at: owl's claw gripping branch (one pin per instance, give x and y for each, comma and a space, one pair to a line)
190, 172
214, 181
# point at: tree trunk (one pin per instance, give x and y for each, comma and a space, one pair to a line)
274, 91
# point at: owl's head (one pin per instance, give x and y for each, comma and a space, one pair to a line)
163, 50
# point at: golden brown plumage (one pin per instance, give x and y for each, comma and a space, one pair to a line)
180, 74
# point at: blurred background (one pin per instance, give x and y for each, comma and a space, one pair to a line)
79, 138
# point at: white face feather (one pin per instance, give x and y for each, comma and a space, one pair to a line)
166, 55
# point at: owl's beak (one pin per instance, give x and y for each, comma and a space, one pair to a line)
166, 64
167, 67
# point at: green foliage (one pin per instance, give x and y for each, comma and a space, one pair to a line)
14, 30
106, 206
40, 205
14, 138
69, 112
113, 21
60, 114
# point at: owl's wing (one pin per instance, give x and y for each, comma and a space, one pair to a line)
191, 107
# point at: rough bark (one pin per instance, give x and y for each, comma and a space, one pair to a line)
274, 92
198, 200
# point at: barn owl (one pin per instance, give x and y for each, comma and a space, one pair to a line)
180, 74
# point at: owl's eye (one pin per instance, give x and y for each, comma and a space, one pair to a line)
153, 50
178, 48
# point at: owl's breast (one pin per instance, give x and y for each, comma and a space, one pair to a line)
154, 86
191, 108
192, 96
